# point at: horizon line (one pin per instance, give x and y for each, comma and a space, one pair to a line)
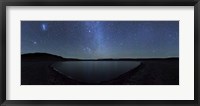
104, 57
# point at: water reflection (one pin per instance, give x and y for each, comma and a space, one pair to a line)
94, 71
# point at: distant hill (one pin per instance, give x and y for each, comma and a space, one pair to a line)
51, 57
43, 57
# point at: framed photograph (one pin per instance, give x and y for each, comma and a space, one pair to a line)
71, 52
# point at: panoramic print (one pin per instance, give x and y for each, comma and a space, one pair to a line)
100, 52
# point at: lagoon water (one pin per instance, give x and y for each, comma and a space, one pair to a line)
94, 71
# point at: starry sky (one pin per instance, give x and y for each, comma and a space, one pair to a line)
101, 39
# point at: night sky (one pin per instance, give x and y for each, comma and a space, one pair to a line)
101, 39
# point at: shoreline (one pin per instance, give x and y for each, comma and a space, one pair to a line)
150, 72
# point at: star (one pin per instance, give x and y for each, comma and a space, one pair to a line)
34, 42
44, 27
87, 50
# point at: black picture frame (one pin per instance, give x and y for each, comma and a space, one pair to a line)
5, 3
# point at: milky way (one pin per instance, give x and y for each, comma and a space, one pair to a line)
101, 39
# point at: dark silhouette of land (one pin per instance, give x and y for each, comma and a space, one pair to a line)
51, 57
36, 69
44, 57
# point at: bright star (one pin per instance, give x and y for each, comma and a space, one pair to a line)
44, 27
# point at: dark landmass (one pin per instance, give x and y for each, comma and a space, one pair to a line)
44, 57
36, 70
51, 57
